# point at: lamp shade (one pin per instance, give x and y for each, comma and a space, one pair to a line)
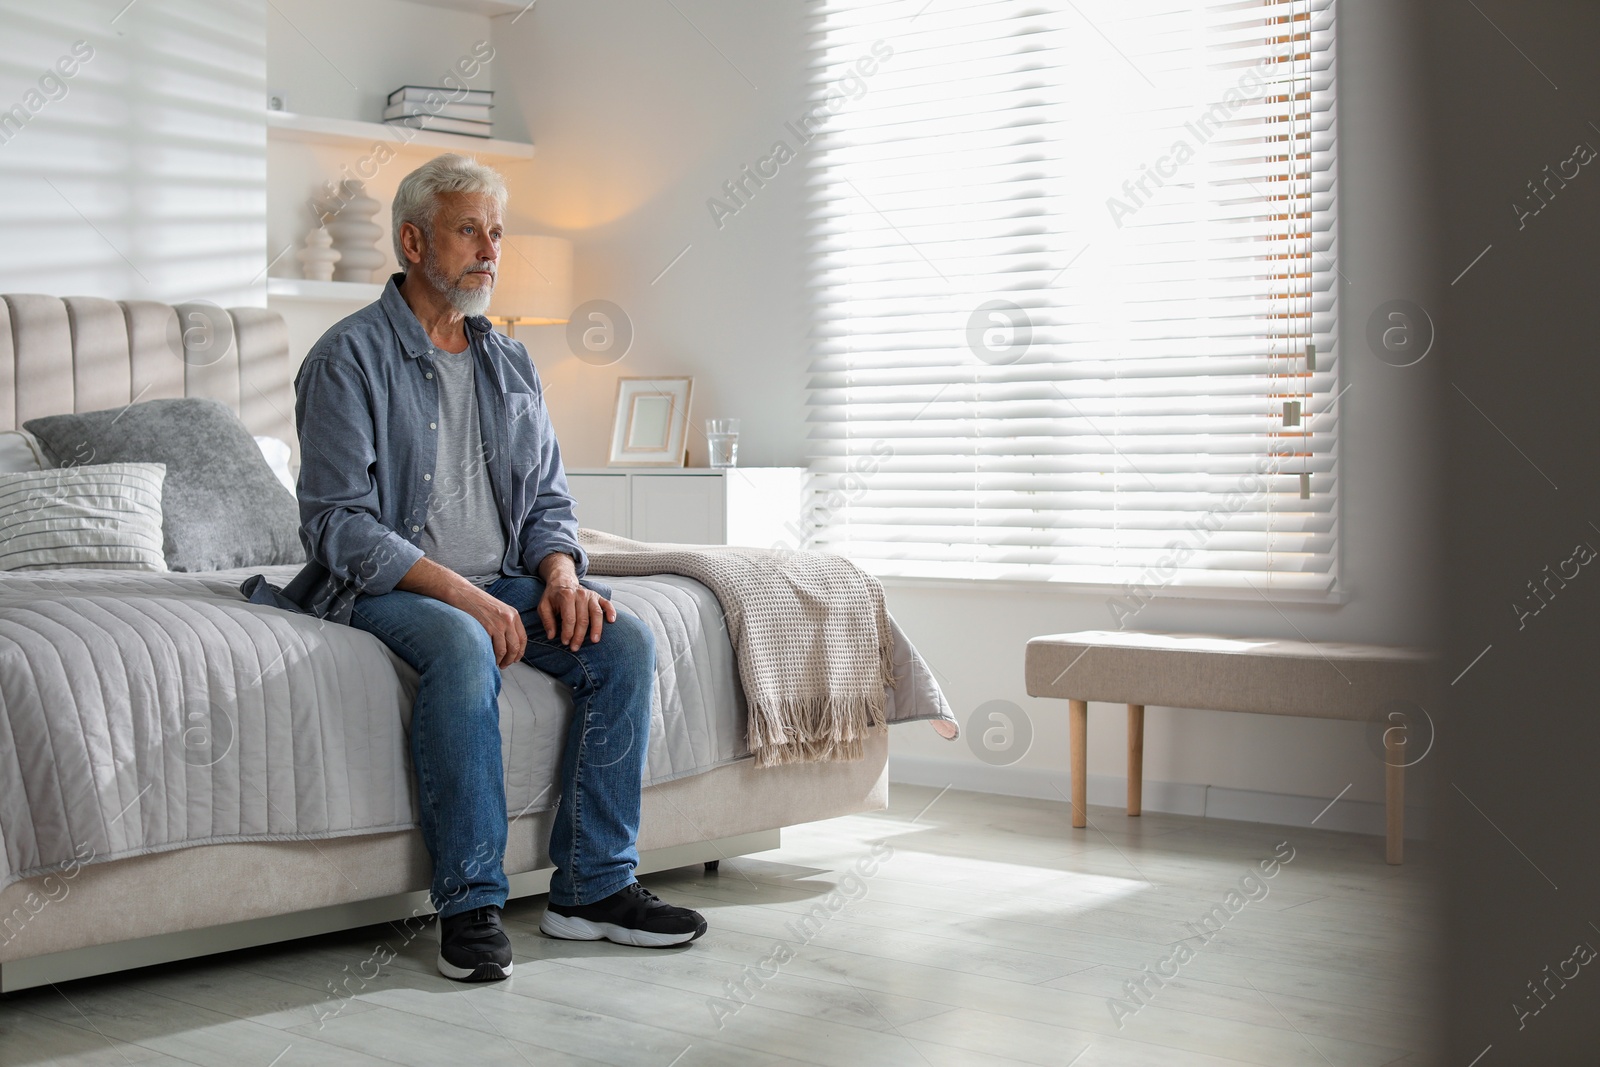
533, 286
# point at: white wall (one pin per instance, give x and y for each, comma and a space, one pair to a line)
145, 177
639, 119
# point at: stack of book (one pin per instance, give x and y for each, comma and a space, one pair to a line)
446, 110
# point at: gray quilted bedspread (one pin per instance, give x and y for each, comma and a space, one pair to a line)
141, 712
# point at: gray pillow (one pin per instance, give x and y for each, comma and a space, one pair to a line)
221, 504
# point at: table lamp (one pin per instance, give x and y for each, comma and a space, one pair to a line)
533, 286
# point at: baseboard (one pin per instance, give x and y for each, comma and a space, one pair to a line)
187, 944
1175, 798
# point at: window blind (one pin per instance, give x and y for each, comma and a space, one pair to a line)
1072, 266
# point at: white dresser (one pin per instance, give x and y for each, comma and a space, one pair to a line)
754, 506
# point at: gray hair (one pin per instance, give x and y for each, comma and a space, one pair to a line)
418, 196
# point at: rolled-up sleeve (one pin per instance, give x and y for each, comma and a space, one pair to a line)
552, 523
338, 488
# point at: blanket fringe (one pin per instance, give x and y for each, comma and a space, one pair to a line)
820, 752
813, 729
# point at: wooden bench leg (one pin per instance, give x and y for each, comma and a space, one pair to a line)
1080, 761
1394, 793
1135, 758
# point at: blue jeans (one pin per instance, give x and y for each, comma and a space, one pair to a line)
455, 743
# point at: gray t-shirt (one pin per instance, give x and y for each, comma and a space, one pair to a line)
462, 531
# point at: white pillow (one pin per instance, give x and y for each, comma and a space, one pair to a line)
98, 515
20, 451
276, 451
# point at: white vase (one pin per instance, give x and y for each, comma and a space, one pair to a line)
355, 235
318, 256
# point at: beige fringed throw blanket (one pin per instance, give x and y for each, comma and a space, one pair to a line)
810, 632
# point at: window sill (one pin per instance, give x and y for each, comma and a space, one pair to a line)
1331, 598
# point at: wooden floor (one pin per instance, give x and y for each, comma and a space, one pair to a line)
992, 933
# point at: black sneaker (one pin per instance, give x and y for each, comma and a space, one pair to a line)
473, 948
631, 916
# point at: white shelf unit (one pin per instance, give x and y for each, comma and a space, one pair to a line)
334, 292
319, 129
411, 42
755, 507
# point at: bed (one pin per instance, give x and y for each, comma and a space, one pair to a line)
185, 772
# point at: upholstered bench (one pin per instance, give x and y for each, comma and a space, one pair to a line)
1313, 679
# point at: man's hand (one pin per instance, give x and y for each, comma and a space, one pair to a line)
500, 620
568, 607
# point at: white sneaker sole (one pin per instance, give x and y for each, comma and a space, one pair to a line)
473, 974
572, 928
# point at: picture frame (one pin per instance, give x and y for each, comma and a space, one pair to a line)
650, 425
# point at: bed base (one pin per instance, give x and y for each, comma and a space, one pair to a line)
250, 933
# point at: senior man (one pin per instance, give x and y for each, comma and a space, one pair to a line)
436, 516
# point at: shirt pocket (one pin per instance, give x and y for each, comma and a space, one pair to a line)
524, 432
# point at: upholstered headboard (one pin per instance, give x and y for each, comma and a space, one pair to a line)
81, 353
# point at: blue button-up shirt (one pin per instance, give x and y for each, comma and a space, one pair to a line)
367, 410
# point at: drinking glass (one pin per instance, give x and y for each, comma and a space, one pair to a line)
722, 439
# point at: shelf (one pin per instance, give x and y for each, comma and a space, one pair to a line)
479, 7
345, 292
618, 472
288, 126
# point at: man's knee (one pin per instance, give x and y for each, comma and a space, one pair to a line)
630, 648
460, 644
637, 641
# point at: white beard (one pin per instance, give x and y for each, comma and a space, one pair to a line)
469, 302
